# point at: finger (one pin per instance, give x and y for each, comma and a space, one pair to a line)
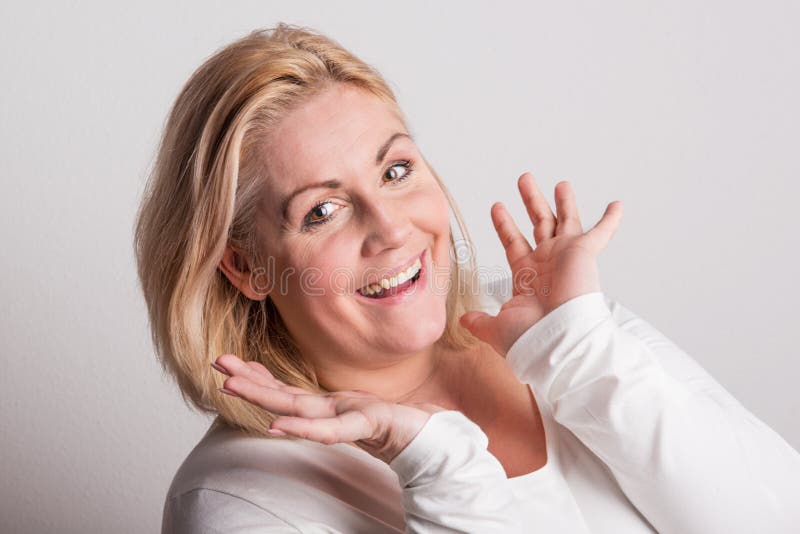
544, 222
514, 243
279, 401
255, 372
219, 368
238, 367
260, 370
602, 232
280, 384
480, 324
568, 222
349, 426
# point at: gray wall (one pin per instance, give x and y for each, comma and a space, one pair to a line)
686, 111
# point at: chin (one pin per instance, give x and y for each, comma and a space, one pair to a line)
418, 335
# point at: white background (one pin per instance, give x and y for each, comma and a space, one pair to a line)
685, 111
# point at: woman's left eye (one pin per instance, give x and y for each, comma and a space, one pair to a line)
391, 174
321, 213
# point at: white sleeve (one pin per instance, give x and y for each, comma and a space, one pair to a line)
207, 511
450, 481
687, 454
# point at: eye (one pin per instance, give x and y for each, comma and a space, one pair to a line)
391, 174
320, 213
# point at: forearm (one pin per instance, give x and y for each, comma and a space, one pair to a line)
450, 481
686, 453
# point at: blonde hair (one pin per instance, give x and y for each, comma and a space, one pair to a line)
203, 194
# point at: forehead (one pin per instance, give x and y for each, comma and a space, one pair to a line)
334, 133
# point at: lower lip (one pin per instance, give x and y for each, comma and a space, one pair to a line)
410, 292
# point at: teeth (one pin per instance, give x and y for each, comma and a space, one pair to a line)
393, 281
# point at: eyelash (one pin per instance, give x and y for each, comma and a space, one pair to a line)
310, 225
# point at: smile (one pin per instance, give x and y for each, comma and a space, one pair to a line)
395, 283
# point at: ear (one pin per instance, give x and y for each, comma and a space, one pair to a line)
235, 267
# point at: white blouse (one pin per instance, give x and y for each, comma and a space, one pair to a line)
640, 438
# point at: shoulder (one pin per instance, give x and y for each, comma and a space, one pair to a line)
212, 485
214, 458
231, 461
232, 474
209, 510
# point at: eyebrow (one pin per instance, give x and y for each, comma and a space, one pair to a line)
335, 184
385, 146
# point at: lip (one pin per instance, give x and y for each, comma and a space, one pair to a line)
393, 272
414, 290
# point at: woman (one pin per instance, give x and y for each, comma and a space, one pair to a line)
302, 281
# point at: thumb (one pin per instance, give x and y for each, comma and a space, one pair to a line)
602, 232
479, 324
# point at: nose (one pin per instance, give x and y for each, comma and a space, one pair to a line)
387, 227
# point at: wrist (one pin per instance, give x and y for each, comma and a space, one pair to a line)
393, 438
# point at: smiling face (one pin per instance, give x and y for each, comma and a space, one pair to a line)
349, 199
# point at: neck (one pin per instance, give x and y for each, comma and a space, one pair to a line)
411, 378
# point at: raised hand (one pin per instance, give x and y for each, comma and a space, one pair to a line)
562, 265
381, 428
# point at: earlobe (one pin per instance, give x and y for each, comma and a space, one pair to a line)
236, 269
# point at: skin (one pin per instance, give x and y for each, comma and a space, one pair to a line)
376, 221
387, 375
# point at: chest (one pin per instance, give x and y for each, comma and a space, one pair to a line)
492, 397
507, 412
517, 436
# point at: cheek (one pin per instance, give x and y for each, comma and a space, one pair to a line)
432, 209
432, 216
326, 271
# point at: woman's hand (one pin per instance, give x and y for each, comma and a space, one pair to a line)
562, 266
381, 428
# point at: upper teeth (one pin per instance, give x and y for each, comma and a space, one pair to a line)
393, 281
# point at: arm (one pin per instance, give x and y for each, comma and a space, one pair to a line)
451, 483
687, 454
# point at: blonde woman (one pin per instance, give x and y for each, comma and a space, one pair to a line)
304, 283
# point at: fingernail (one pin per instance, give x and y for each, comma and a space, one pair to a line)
219, 368
276, 432
229, 392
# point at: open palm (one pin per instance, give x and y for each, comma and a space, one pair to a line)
381, 428
563, 265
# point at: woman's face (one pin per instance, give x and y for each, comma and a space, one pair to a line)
348, 200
